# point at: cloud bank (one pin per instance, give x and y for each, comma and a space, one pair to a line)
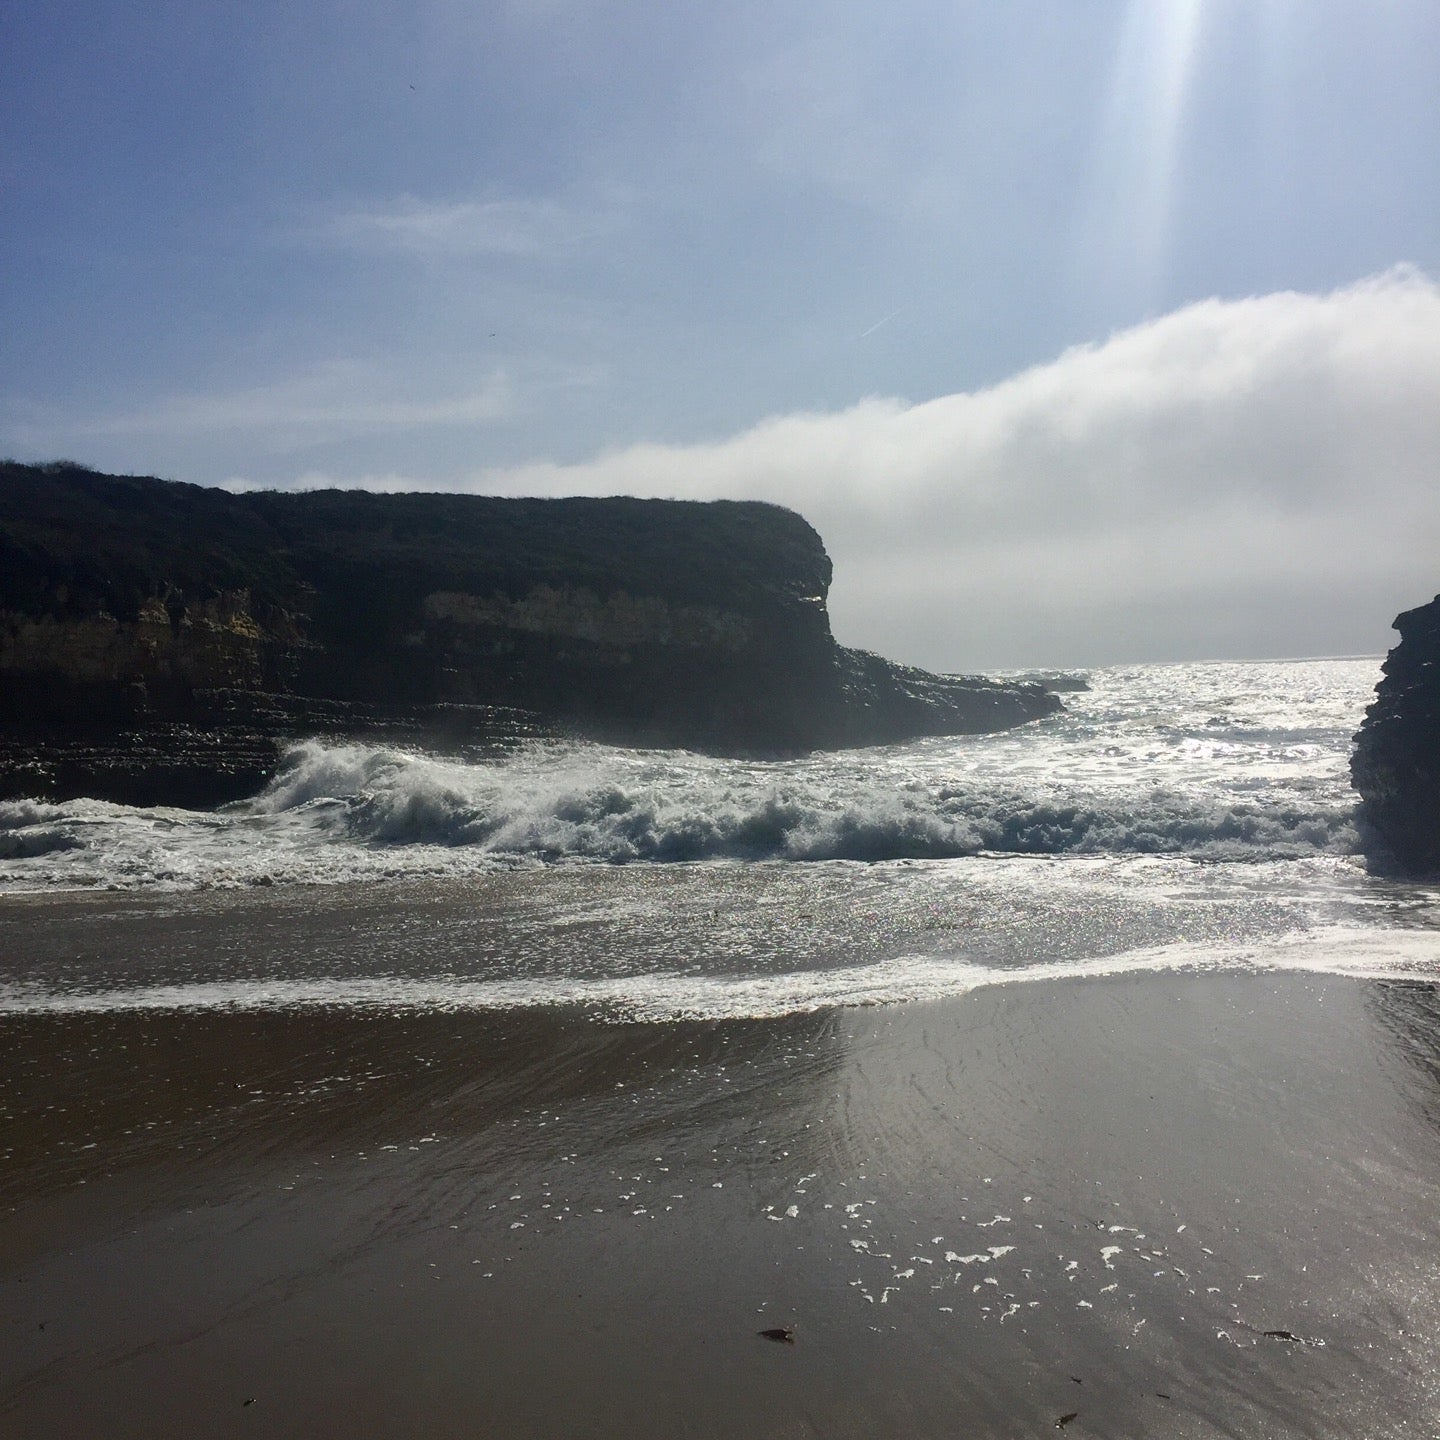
1237, 478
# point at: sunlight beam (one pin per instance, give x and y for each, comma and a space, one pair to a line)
1131, 202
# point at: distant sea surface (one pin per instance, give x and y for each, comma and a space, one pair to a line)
1174, 818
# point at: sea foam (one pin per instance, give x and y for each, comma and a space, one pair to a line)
1340, 951
1219, 763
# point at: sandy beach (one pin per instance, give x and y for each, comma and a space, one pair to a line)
1165, 1205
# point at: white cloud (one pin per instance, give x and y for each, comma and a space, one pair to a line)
1260, 473
338, 399
528, 229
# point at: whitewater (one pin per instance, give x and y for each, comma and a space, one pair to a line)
1173, 817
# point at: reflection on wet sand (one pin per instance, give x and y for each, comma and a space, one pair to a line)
1171, 1205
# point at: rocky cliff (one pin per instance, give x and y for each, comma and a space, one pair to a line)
159, 642
1396, 764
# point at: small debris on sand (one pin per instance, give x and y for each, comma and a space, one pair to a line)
781, 1335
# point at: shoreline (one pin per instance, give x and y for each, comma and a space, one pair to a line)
534, 1223
713, 941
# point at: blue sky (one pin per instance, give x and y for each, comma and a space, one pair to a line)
557, 245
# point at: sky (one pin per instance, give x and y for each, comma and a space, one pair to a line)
1084, 331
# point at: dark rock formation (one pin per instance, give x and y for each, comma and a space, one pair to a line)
1396, 764
159, 642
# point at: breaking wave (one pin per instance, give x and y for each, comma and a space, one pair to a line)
1214, 763
618, 807
29, 829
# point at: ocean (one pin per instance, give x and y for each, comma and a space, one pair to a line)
1175, 817
1082, 1077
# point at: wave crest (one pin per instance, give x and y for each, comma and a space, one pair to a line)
574, 804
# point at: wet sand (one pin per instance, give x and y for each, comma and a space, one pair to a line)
1166, 1205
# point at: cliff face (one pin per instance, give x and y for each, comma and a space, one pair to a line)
1396, 764
170, 626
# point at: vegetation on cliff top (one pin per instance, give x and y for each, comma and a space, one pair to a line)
74, 542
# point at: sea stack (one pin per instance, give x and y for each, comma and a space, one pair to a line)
160, 642
1396, 764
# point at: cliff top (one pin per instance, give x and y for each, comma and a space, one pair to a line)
76, 541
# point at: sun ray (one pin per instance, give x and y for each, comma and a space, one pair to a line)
1137, 163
